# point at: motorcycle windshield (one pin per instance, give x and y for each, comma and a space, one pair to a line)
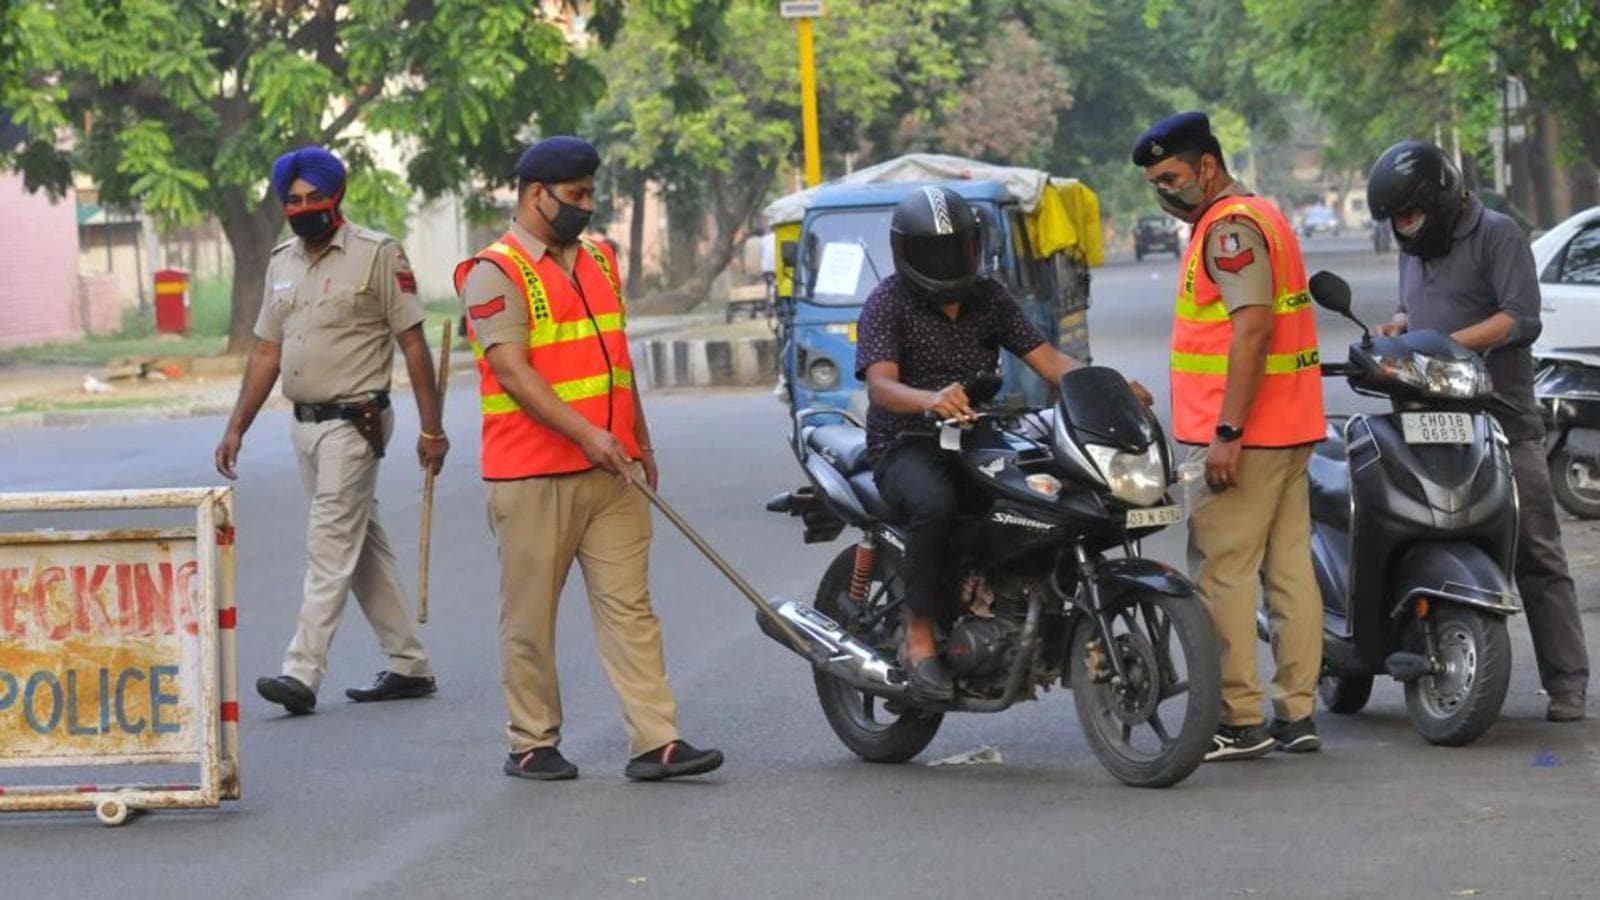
1099, 408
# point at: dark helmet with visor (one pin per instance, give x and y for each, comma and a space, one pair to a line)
1417, 177
934, 237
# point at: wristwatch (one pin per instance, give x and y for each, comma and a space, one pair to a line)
1228, 433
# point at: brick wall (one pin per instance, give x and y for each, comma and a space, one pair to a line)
38, 267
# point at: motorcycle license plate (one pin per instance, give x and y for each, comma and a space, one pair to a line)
1155, 517
1437, 428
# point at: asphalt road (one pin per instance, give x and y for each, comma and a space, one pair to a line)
407, 799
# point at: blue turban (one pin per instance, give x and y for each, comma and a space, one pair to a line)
1173, 135
558, 159
317, 166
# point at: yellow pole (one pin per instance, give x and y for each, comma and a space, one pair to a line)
808, 103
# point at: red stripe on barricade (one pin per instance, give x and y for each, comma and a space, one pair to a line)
88, 789
228, 618
230, 711
224, 535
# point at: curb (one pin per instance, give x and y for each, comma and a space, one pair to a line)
704, 363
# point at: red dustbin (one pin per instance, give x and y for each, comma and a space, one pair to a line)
172, 301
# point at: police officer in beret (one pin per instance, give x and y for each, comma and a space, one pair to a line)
563, 433
338, 297
1247, 396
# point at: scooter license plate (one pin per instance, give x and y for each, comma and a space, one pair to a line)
1437, 428
1155, 517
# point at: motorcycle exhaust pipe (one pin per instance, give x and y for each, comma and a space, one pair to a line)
831, 649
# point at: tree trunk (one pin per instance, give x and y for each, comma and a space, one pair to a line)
251, 229
685, 224
641, 194
734, 202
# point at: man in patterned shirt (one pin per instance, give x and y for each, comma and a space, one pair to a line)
925, 331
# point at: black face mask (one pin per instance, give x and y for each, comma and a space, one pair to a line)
1181, 203
316, 223
569, 221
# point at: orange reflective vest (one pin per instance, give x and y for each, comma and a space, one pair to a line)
575, 342
1288, 409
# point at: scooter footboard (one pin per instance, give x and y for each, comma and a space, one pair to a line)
1453, 572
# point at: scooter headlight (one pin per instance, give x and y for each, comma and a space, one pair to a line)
1458, 378
823, 374
1138, 479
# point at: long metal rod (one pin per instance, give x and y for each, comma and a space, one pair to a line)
756, 600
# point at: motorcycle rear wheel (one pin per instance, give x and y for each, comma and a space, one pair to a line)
861, 720
1153, 729
1456, 706
1574, 486
1345, 694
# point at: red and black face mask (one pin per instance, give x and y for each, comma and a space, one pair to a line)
316, 222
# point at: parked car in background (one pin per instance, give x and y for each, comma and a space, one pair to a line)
1320, 220
1567, 258
1157, 234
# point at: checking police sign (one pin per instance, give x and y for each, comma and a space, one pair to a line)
117, 649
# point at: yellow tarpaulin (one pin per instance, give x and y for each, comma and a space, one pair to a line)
1067, 220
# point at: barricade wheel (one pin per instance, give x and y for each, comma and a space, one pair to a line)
111, 811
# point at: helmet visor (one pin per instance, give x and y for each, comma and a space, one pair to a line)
943, 257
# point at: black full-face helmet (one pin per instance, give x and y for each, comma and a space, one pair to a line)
1416, 176
934, 236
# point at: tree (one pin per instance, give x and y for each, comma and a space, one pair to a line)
180, 106
713, 128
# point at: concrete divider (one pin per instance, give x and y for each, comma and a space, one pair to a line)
694, 362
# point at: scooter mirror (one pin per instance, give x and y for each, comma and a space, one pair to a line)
1331, 292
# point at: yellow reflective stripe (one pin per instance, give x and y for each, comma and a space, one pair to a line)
538, 300
559, 332
1217, 311
605, 266
569, 391
1217, 363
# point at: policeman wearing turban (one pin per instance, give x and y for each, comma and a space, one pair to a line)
563, 432
337, 299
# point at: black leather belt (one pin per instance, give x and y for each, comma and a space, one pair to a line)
322, 412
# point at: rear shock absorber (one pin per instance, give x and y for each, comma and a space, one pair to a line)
861, 575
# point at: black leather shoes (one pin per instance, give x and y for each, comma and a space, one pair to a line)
929, 679
540, 764
1567, 706
673, 760
393, 686
288, 692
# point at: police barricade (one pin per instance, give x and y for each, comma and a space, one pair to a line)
117, 649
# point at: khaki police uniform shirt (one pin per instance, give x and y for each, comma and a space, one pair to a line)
496, 308
1236, 258
336, 314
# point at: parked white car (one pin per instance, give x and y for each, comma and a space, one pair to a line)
1568, 261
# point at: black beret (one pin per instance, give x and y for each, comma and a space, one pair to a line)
1173, 135
557, 159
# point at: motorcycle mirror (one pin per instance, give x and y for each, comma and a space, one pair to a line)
1333, 293
983, 388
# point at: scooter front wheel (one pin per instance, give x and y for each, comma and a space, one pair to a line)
1455, 705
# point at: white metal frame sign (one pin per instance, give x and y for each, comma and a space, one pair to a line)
117, 648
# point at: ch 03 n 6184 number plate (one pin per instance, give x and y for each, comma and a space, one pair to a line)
1155, 517
1436, 428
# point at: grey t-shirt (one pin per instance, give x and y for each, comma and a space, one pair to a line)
1489, 269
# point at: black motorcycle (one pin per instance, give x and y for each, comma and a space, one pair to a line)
1414, 529
1567, 386
1055, 589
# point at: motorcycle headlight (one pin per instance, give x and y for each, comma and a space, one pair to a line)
1138, 479
823, 374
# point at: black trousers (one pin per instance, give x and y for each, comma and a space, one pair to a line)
921, 484
1548, 596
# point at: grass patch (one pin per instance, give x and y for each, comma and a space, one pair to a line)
34, 405
210, 308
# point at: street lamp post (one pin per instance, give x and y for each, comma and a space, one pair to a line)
804, 12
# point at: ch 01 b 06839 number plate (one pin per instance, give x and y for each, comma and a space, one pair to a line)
1155, 517
1436, 428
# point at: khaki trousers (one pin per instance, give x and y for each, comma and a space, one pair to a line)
542, 525
346, 551
1261, 527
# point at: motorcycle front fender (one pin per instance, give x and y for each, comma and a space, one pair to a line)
1121, 580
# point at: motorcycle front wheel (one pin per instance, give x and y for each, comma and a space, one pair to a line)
1151, 726
862, 720
1456, 705
1576, 484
